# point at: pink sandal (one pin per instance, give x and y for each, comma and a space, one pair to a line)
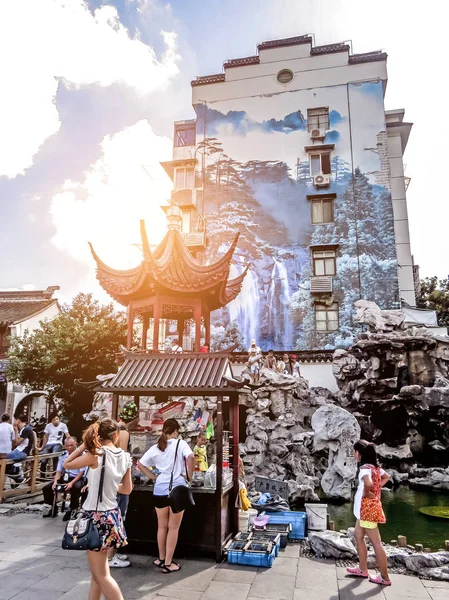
356, 572
380, 580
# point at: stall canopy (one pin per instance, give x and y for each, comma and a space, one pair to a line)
171, 374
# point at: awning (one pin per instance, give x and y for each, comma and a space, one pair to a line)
170, 373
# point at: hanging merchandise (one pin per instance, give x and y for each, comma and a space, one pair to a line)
210, 432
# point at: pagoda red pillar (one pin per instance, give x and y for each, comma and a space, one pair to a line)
129, 342
157, 313
145, 325
207, 327
197, 317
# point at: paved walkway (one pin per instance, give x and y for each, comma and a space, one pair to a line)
34, 567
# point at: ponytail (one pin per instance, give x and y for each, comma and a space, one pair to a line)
91, 438
97, 432
170, 426
162, 443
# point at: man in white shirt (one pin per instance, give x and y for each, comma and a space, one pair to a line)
175, 347
54, 434
6, 434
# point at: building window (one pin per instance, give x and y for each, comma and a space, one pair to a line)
320, 164
317, 118
326, 317
324, 262
322, 210
185, 136
284, 76
184, 178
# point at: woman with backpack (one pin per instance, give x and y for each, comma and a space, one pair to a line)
369, 512
100, 453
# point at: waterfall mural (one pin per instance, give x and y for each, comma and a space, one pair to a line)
245, 308
279, 317
258, 180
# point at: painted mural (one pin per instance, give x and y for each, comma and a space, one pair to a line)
258, 181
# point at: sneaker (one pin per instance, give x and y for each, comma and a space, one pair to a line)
118, 564
67, 516
121, 556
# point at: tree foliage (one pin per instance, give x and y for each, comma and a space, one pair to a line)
434, 295
80, 343
225, 337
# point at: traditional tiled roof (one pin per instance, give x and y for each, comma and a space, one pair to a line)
171, 268
169, 372
293, 41
208, 79
16, 307
367, 57
330, 49
241, 62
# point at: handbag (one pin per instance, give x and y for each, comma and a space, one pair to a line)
81, 533
180, 497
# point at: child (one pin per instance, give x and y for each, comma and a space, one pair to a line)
368, 512
270, 361
200, 453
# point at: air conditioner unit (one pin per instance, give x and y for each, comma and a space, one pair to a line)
321, 285
318, 134
322, 180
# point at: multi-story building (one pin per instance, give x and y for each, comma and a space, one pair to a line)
294, 148
22, 311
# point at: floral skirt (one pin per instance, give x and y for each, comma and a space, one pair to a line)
110, 527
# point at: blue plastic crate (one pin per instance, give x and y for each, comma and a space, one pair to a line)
254, 559
297, 519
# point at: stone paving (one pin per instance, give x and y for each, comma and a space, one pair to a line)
34, 567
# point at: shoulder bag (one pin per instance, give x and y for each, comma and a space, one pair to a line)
81, 533
180, 497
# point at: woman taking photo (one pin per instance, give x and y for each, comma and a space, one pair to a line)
174, 461
99, 442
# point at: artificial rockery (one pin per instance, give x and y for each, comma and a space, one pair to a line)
393, 390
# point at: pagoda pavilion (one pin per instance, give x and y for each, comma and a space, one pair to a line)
171, 284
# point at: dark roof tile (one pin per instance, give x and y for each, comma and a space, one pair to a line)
217, 78
241, 62
367, 57
330, 49
293, 41
161, 372
13, 311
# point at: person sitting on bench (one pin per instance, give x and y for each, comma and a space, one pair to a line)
25, 441
71, 480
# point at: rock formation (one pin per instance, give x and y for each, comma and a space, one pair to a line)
395, 381
279, 442
336, 430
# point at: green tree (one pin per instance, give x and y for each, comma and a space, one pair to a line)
434, 295
80, 343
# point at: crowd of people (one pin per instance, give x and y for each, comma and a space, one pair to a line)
97, 475
287, 364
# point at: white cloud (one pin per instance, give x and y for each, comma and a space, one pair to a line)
51, 40
116, 192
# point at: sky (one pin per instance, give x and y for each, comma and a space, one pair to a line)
90, 90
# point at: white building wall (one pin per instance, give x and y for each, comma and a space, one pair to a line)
401, 224
34, 322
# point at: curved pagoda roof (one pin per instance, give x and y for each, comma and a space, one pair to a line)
171, 270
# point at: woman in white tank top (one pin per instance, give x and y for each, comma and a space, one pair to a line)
99, 442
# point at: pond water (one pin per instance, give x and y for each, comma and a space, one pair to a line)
403, 517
